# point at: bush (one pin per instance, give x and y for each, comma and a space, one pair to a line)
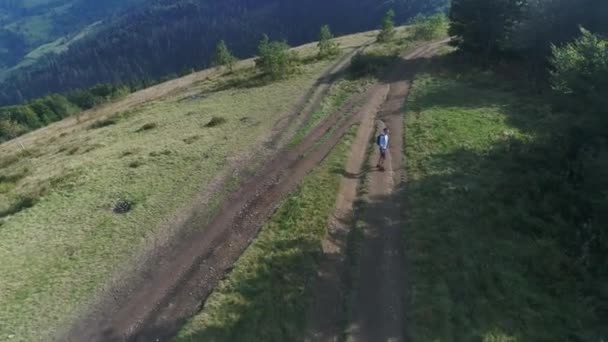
387, 33
103, 123
10, 129
223, 57
275, 59
147, 127
580, 72
430, 27
123, 206
327, 47
216, 121
21, 203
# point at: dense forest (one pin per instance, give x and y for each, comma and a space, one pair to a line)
558, 192
164, 36
26, 25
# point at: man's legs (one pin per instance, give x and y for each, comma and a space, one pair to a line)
382, 159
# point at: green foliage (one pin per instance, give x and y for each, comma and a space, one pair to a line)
580, 72
10, 129
86, 99
387, 32
506, 235
327, 46
428, 28
484, 26
223, 57
20, 119
523, 29
275, 59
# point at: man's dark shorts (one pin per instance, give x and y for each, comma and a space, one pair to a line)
382, 152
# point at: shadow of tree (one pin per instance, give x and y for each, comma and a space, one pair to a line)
498, 240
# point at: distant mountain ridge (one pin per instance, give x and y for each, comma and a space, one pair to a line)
159, 37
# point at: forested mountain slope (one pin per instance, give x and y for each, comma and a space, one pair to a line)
46, 25
160, 37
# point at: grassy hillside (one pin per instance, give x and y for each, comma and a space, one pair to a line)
62, 231
488, 217
267, 295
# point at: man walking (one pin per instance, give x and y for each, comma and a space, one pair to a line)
382, 142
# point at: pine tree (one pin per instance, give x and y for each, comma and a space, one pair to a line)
223, 57
327, 46
275, 59
388, 27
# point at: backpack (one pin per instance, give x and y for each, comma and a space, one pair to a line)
379, 140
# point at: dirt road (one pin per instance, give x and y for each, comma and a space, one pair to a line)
378, 312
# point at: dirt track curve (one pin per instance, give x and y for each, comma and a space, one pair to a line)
160, 305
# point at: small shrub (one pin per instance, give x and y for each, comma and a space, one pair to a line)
103, 123
160, 153
327, 46
147, 127
136, 164
72, 151
427, 28
23, 202
388, 27
216, 121
126, 154
191, 140
223, 57
123, 206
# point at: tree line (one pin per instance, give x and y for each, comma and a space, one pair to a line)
19, 119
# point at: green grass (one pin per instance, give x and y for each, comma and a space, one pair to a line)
487, 262
339, 93
64, 244
267, 295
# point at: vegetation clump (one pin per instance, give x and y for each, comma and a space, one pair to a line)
275, 59
123, 206
387, 33
223, 57
103, 123
147, 127
327, 46
216, 121
429, 28
21, 203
